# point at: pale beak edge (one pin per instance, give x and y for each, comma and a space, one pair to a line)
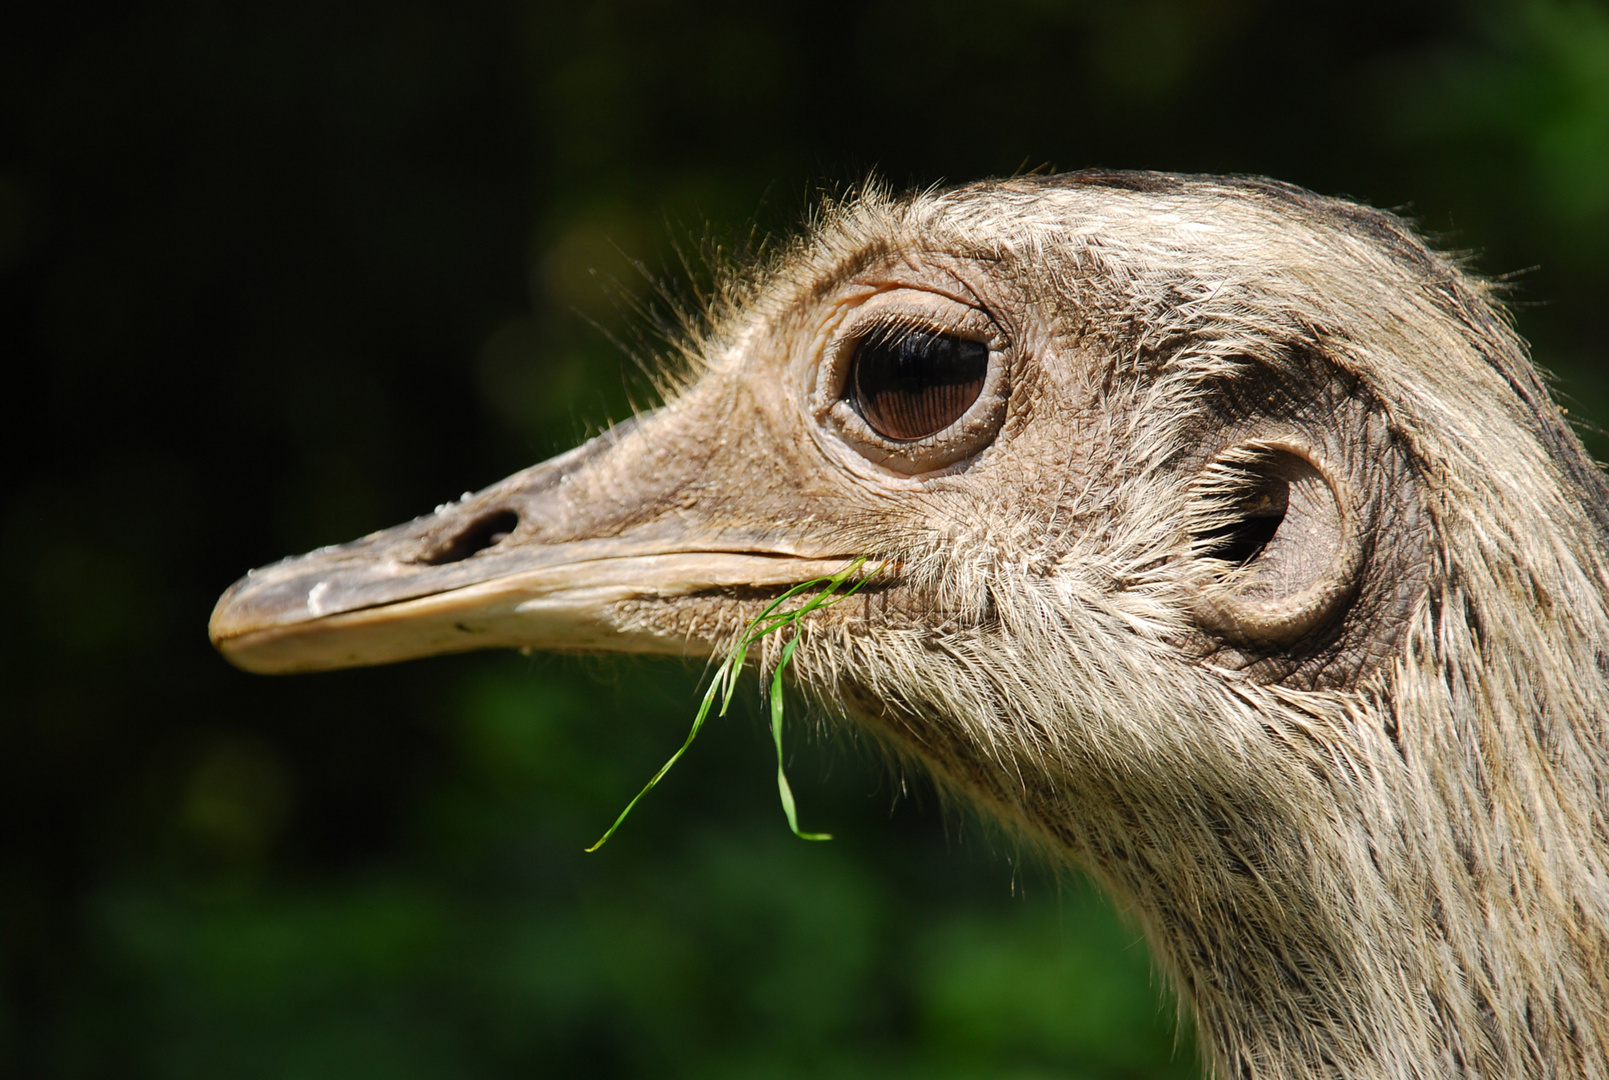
570, 607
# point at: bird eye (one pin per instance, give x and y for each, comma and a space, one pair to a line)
909, 384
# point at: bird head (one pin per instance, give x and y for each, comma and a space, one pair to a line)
1101, 440
1216, 533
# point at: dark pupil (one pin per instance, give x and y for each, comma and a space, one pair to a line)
910, 384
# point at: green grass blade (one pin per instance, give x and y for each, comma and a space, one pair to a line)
776, 735
771, 619
698, 722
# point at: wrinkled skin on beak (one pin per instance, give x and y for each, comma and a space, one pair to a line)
693, 500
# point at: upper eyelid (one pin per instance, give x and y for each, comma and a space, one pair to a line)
857, 329
898, 322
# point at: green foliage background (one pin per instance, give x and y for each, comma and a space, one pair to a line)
274, 275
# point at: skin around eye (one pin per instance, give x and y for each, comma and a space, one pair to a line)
909, 384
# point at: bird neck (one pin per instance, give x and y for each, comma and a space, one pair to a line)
1408, 878
1332, 899
1337, 885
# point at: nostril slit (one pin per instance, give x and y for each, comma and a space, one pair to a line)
486, 531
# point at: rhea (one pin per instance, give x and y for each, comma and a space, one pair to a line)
1225, 543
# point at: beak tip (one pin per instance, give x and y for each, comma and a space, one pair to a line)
236, 626
219, 629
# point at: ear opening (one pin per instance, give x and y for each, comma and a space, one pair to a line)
1253, 513
1275, 529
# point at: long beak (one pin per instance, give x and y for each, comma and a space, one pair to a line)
549, 558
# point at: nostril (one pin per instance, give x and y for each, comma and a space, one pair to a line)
484, 532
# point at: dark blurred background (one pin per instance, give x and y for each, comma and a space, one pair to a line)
274, 275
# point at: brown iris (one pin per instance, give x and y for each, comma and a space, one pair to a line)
909, 384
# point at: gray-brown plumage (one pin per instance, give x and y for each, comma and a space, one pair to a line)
1228, 546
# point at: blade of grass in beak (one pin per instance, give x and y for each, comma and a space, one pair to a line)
698, 722
724, 685
776, 735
